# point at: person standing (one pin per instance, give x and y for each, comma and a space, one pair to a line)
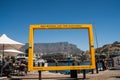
1, 66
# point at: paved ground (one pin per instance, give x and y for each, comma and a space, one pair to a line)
103, 75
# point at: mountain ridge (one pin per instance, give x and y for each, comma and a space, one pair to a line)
57, 47
65, 47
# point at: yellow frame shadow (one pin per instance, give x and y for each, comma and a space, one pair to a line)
61, 26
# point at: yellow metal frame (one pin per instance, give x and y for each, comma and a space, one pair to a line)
61, 26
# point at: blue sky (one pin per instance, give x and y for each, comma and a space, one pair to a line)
17, 15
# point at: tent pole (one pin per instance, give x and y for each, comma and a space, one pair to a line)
3, 54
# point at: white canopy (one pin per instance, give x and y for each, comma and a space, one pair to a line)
6, 43
12, 52
6, 40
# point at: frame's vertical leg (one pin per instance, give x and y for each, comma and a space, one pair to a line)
84, 74
40, 77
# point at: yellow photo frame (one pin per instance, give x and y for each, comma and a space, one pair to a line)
61, 26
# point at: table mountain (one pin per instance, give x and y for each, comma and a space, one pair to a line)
58, 47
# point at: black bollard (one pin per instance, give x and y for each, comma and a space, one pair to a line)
73, 73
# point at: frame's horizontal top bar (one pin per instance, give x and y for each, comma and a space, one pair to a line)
61, 26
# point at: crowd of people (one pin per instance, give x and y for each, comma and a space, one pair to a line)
10, 67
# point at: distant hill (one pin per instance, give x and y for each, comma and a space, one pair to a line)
58, 47
113, 48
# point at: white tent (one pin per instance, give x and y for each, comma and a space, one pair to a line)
7, 43
6, 40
